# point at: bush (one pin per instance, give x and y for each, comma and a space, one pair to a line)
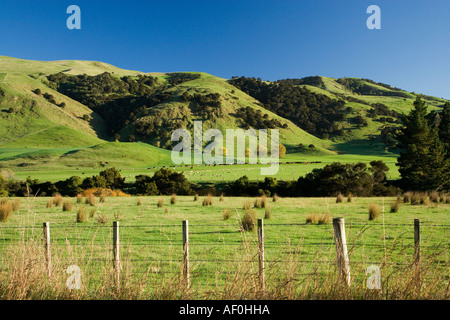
374, 211
248, 220
82, 215
67, 206
6, 210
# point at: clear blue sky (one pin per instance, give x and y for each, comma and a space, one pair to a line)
271, 39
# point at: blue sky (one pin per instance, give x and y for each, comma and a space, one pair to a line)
271, 39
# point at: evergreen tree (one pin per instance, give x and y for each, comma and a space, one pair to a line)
444, 127
423, 164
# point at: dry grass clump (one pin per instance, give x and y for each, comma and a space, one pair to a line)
67, 206
208, 200
166, 210
407, 197
248, 221
247, 205
92, 213
139, 202
434, 197
275, 198
424, 198
6, 210
196, 197
318, 218
339, 198
261, 202
268, 213
226, 214
395, 206
91, 200
15, 204
50, 203
101, 219
58, 200
173, 199
415, 198
79, 198
117, 216
350, 197
374, 211
221, 198
160, 203
102, 198
82, 215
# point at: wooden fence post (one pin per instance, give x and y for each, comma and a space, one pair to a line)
48, 252
341, 249
417, 240
262, 279
186, 253
116, 260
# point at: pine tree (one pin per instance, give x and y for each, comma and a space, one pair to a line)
444, 127
423, 162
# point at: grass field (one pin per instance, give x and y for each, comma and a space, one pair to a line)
300, 258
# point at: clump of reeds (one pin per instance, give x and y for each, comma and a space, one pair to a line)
248, 221
82, 215
226, 214
6, 210
67, 206
160, 203
208, 200
374, 211
173, 199
91, 200
339, 198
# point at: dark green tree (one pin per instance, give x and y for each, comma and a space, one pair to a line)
423, 164
444, 127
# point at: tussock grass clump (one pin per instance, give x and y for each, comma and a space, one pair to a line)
196, 197
221, 198
248, 221
268, 213
374, 211
67, 206
101, 219
160, 203
415, 198
92, 213
350, 197
173, 199
49, 203
339, 198
395, 206
82, 215
407, 197
325, 218
139, 202
208, 200
102, 199
58, 200
275, 198
247, 205
226, 214
117, 216
434, 197
260, 202
166, 210
6, 210
424, 200
91, 200
15, 205
318, 218
79, 198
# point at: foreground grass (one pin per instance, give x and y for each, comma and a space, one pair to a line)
300, 258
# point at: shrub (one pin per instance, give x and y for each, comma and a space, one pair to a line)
160, 203
173, 199
226, 214
67, 206
374, 211
339, 198
82, 215
58, 200
248, 220
6, 210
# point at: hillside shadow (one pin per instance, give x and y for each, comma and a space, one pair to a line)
364, 147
